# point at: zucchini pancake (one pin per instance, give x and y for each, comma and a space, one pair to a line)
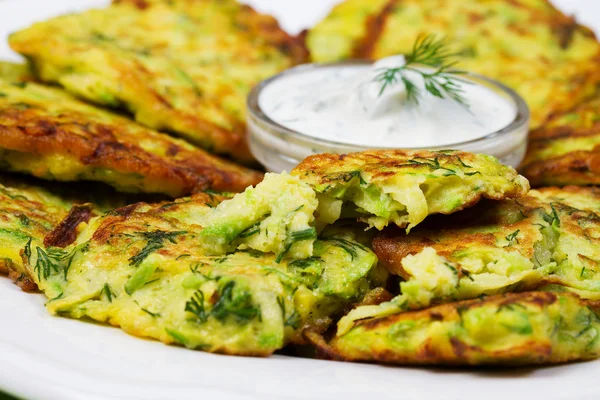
392, 256
181, 66
510, 329
242, 275
548, 241
566, 150
403, 186
51, 135
31, 209
528, 45
140, 268
26, 212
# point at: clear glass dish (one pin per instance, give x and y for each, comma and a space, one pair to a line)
281, 149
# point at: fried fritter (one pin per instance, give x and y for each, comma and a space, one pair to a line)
26, 212
528, 45
276, 216
566, 149
51, 135
510, 329
15, 72
141, 268
32, 208
181, 66
403, 187
496, 247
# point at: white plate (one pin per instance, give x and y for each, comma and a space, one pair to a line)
44, 357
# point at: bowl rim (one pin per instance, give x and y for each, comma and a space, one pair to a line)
521, 118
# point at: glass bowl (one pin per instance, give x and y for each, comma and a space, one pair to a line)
280, 149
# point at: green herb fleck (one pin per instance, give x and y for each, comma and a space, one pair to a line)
150, 313
155, 241
109, 294
513, 237
196, 306
238, 304
298, 236
552, 217
44, 265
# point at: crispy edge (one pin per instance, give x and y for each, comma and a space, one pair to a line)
264, 25
562, 26
106, 151
461, 353
575, 168
19, 278
374, 25
65, 233
385, 163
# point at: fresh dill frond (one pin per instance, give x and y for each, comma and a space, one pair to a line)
155, 241
443, 82
45, 265
196, 306
237, 304
298, 236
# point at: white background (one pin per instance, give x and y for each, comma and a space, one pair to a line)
44, 357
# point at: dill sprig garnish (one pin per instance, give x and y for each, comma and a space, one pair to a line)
442, 82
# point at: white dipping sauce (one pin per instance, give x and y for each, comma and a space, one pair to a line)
343, 104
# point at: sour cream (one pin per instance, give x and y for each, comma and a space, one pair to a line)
344, 104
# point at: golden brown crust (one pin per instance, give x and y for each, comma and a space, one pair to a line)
451, 234
379, 165
374, 27
19, 278
566, 150
567, 193
267, 27
462, 352
102, 140
574, 168
27, 212
22, 280
262, 25
440, 336
65, 232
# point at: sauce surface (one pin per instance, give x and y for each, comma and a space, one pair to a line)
343, 104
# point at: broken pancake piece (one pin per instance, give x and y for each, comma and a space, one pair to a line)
509, 329
51, 135
276, 216
27, 212
142, 268
497, 247
403, 187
